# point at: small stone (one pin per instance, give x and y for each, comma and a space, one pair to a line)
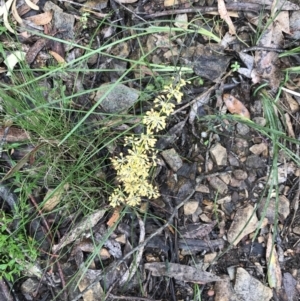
190, 207
240, 147
244, 223
242, 129
240, 174
204, 218
29, 287
250, 289
226, 178
255, 162
260, 121
283, 208
208, 258
217, 184
196, 214
219, 154
202, 188
121, 239
233, 161
296, 230
223, 289
172, 158
224, 200
237, 183
119, 98
258, 149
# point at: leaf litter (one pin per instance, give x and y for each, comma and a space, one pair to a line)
212, 172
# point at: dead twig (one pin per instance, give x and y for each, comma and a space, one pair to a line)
201, 96
130, 298
261, 48
207, 9
142, 245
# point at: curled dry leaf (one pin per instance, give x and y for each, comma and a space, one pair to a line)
235, 106
274, 271
4, 12
41, 19
58, 57
32, 5
115, 216
15, 13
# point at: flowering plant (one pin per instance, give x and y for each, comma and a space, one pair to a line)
133, 169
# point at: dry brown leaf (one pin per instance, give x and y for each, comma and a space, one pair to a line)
53, 198
85, 225
289, 125
58, 58
283, 19
292, 103
244, 223
115, 216
15, 134
41, 19
266, 62
235, 106
181, 272
28, 157
225, 16
274, 271
96, 292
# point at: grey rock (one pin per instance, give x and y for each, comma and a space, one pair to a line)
116, 97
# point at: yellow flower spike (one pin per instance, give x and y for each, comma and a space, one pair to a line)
133, 170
154, 121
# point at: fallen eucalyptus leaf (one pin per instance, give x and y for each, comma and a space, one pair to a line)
181, 272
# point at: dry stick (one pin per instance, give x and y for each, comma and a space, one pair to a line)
207, 9
142, 245
82, 5
131, 298
218, 81
195, 99
262, 48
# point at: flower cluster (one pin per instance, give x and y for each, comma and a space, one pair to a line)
133, 169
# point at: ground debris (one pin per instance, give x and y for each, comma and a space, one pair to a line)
244, 223
180, 272
250, 289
